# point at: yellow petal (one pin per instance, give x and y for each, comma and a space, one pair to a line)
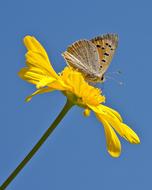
112, 111
45, 81
58, 85
108, 116
40, 91
96, 109
29, 74
113, 143
23, 73
37, 60
122, 129
129, 134
37, 56
32, 44
114, 122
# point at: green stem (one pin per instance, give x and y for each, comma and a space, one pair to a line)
65, 109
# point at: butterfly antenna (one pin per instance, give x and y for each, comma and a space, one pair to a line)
119, 72
117, 81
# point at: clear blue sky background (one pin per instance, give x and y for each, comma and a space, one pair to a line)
75, 156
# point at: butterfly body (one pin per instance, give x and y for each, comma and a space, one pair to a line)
92, 57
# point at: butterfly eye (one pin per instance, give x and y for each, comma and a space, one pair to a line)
102, 78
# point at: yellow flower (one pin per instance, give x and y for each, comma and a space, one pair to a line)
71, 83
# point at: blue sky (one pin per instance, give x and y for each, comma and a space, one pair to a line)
75, 156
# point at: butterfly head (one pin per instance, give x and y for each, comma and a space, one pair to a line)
102, 79
95, 78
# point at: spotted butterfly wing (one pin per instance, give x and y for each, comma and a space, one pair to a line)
83, 55
106, 45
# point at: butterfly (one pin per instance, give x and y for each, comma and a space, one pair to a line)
92, 57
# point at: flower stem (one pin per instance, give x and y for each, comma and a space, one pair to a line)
65, 109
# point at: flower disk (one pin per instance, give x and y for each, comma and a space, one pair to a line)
83, 93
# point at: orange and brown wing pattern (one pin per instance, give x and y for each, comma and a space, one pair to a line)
106, 45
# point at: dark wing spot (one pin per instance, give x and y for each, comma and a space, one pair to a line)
107, 44
98, 46
103, 48
100, 66
103, 60
110, 46
107, 54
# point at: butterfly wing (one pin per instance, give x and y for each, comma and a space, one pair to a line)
83, 55
106, 45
